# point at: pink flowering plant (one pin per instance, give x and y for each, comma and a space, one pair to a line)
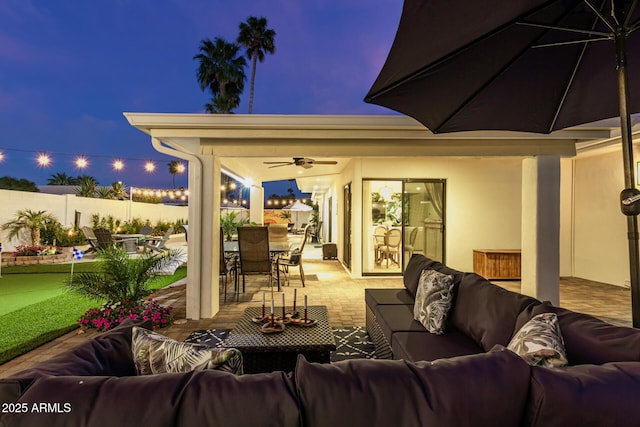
29, 250
124, 282
111, 314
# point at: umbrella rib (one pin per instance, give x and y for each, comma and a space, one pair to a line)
573, 73
425, 69
599, 39
600, 15
572, 30
631, 9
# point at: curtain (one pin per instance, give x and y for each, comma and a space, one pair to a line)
436, 194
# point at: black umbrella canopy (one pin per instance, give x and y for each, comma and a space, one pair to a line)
523, 65
519, 65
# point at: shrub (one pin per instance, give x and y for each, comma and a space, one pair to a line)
26, 250
111, 314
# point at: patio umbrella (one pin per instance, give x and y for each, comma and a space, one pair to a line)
521, 65
296, 208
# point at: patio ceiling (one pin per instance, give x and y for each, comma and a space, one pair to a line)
245, 142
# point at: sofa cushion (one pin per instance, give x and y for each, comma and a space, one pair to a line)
433, 300
423, 345
539, 342
108, 354
588, 339
396, 318
418, 263
154, 353
188, 399
374, 297
486, 312
486, 389
586, 395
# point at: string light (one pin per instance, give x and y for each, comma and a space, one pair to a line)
118, 165
81, 162
150, 166
180, 168
43, 160
1, 156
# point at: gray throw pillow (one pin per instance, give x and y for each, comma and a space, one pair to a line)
154, 353
539, 342
433, 300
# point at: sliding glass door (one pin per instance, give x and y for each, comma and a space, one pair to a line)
401, 217
424, 215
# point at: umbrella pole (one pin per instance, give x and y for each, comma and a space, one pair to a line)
629, 181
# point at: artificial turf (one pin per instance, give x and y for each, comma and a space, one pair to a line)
34, 324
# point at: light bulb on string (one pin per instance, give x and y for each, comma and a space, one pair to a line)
43, 160
81, 162
117, 165
149, 166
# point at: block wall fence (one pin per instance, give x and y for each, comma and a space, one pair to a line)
64, 207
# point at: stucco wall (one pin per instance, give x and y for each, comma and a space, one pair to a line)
600, 229
63, 207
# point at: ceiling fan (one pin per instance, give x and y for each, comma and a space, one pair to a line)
302, 161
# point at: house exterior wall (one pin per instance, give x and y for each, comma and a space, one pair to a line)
600, 229
483, 201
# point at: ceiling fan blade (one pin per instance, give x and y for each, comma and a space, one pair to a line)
279, 165
307, 165
324, 162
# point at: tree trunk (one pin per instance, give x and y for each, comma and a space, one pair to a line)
253, 79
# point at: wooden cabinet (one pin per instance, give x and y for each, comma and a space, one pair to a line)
497, 263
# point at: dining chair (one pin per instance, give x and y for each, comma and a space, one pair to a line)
410, 247
253, 248
379, 236
278, 233
391, 248
294, 259
227, 266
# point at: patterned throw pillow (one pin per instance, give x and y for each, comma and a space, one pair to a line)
433, 300
156, 354
539, 342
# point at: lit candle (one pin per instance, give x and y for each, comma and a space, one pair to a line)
295, 294
262, 297
305, 302
271, 305
283, 300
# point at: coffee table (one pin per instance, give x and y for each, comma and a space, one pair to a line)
279, 351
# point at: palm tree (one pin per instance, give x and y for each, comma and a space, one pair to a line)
175, 167
118, 191
61, 178
221, 70
88, 186
33, 221
258, 40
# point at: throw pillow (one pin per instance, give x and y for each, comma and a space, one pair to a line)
433, 300
539, 342
154, 353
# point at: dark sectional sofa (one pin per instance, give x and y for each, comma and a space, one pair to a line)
604, 359
475, 380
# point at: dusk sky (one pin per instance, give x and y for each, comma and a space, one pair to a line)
69, 69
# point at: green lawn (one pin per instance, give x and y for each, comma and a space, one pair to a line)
44, 317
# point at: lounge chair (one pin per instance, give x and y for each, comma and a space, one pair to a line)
91, 239
158, 243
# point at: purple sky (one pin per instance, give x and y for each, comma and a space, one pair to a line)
69, 69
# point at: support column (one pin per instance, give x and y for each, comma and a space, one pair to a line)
256, 198
541, 228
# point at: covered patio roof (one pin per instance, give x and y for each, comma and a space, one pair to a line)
242, 143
